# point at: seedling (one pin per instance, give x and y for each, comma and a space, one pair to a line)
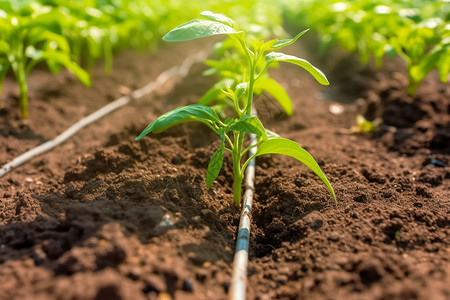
364, 126
232, 131
27, 39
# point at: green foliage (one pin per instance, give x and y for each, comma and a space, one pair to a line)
240, 97
416, 30
196, 29
276, 56
231, 61
30, 33
76, 34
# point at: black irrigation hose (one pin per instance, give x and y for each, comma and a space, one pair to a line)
180, 70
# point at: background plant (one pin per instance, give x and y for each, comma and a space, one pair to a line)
232, 131
82, 32
416, 30
29, 34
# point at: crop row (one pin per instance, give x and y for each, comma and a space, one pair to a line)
416, 30
76, 34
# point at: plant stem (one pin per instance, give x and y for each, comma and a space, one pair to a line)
237, 184
248, 108
107, 52
18, 67
23, 100
412, 83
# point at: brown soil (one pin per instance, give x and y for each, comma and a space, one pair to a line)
105, 217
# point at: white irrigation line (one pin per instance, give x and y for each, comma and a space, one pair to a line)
180, 70
239, 277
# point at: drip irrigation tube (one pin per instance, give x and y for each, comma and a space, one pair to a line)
180, 70
239, 277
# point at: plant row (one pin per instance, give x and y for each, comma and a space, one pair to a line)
75, 34
416, 30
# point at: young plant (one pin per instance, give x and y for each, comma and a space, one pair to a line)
29, 36
232, 131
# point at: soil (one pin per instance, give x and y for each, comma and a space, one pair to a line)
105, 217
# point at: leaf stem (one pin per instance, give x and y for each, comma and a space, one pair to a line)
247, 162
250, 147
229, 141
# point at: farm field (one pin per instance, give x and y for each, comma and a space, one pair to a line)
103, 216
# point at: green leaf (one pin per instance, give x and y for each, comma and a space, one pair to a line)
240, 90
4, 47
183, 114
290, 148
250, 124
210, 95
271, 135
196, 29
277, 91
63, 58
437, 57
268, 45
277, 56
215, 91
52, 39
217, 17
283, 43
214, 166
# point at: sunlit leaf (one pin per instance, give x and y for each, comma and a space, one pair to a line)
283, 43
196, 29
290, 148
217, 17
214, 166
240, 89
272, 87
315, 72
183, 114
250, 124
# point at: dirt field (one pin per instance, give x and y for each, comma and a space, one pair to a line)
106, 217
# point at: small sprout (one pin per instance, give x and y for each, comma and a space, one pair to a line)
365, 126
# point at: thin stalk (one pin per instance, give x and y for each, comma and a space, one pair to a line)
108, 54
237, 184
23, 100
18, 66
262, 72
247, 149
229, 141
251, 82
